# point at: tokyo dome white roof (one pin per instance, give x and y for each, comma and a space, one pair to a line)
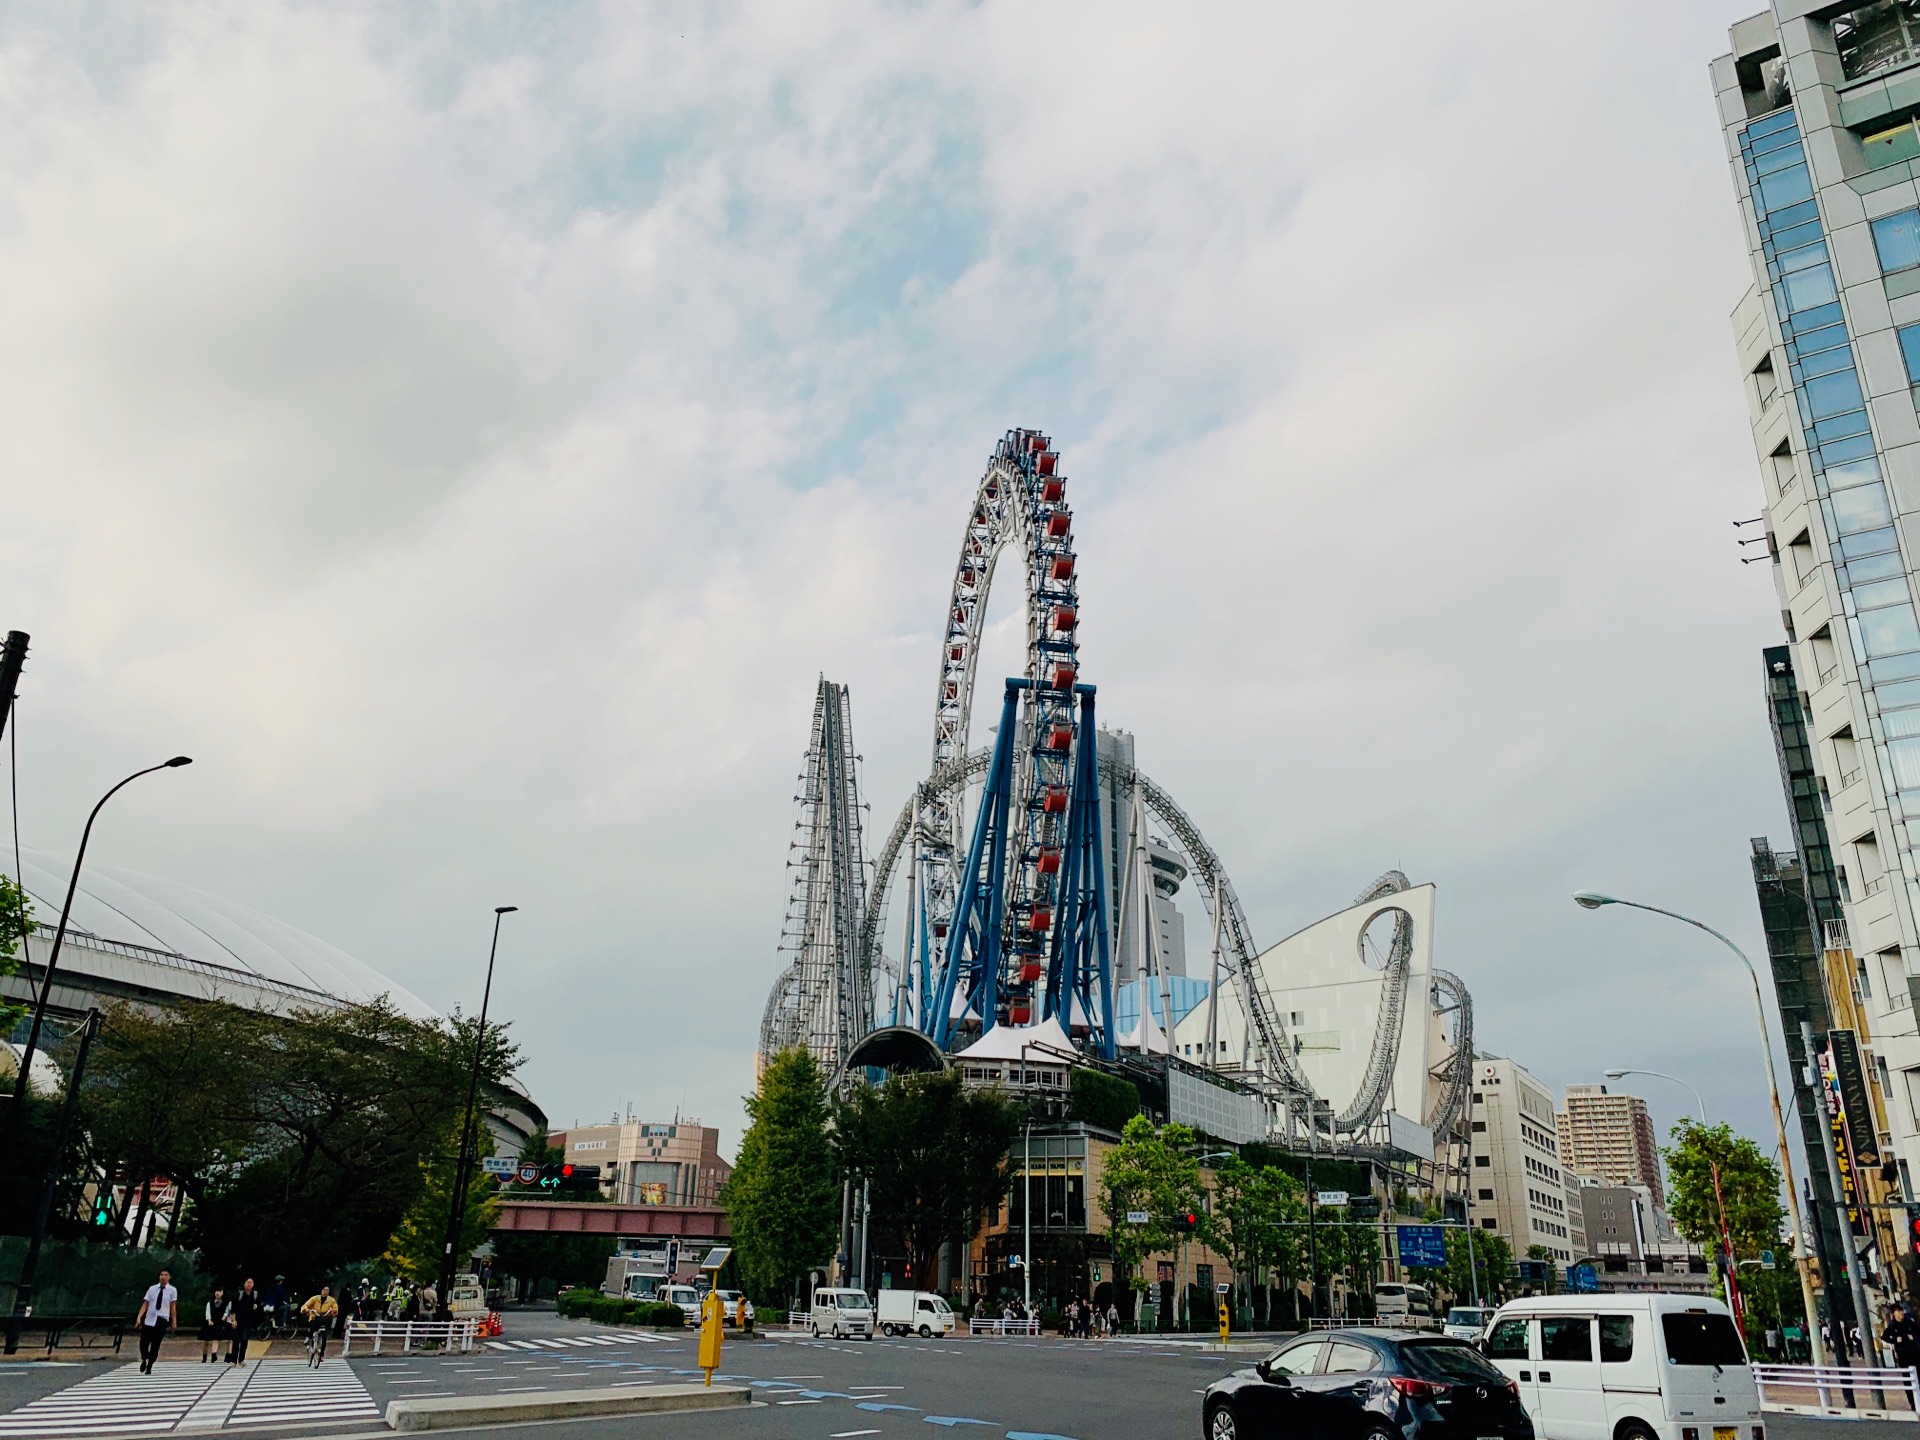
135, 909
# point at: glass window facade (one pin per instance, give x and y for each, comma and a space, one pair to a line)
1842, 460
1058, 1166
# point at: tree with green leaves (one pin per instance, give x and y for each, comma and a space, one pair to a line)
1256, 1213
16, 923
1748, 1197
783, 1198
1749, 1186
298, 1139
933, 1155
420, 1239
1486, 1251
1152, 1169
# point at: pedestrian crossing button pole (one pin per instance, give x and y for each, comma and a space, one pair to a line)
713, 1312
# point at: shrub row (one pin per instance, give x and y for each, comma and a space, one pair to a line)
585, 1304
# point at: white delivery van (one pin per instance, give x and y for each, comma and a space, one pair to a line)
914, 1312
685, 1296
1466, 1322
1627, 1367
843, 1314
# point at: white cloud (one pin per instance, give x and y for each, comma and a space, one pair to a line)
470, 434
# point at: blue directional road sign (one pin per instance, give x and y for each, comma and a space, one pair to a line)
1423, 1247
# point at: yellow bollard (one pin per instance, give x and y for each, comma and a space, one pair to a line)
711, 1324
1223, 1322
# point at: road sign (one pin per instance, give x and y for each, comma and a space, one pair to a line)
1423, 1247
1583, 1280
673, 1258
497, 1165
1330, 1197
528, 1174
1138, 1217
1766, 1260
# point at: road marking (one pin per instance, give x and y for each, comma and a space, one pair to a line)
849, 1434
796, 1402
267, 1392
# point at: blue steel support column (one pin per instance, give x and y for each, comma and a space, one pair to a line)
1080, 967
975, 942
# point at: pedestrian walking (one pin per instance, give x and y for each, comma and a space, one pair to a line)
1113, 1319
158, 1308
242, 1322
1901, 1336
213, 1325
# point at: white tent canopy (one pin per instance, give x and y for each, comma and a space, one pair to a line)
1036, 1043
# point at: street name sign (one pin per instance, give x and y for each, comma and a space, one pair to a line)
1138, 1217
498, 1165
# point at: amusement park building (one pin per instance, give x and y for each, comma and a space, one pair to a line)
137, 939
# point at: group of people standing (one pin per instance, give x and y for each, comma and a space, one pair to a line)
1086, 1319
231, 1321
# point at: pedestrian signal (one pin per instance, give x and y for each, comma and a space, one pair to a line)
103, 1209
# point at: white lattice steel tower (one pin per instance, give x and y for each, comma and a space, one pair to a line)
823, 999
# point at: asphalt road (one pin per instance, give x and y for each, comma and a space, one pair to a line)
1048, 1389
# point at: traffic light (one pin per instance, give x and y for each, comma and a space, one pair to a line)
579, 1177
103, 1209
1185, 1222
1913, 1230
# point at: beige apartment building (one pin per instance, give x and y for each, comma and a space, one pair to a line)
644, 1163
1610, 1137
1517, 1183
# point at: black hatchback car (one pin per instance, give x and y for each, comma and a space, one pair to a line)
1367, 1385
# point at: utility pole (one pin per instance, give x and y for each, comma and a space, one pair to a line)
12, 657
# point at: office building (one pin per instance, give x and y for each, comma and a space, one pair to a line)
1632, 1243
1610, 1137
1516, 1182
650, 1164
1818, 103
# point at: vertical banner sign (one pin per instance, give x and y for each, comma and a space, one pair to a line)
1849, 1196
1851, 1076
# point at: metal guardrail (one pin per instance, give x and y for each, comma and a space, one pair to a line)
798, 1319
1854, 1392
1003, 1327
439, 1334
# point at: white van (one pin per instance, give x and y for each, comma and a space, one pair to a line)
685, 1296
843, 1314
914, 1312
1627, 1367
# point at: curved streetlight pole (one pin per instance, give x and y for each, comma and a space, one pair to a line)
15, 1111
1590, 900
469, 1142
1671, 1079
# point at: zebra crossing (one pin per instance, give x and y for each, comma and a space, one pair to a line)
605, 1337
183, 1395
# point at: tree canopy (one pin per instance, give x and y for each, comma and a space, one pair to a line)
933, 1154
1749, 1185
1152, 1170
298, 1139
783, 1197
16, 922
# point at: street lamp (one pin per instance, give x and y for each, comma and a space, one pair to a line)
1672, 1079
15, 1112
1592, 900
468, 1142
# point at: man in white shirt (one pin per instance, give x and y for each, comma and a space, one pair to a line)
157, 1310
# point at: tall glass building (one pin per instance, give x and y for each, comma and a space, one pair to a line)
1819, 105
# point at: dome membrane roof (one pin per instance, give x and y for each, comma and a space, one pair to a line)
144, 910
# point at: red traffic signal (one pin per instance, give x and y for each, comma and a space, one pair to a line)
1185, 1222
566, 1172
1913, 1229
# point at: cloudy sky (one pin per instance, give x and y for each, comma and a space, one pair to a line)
469, 431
